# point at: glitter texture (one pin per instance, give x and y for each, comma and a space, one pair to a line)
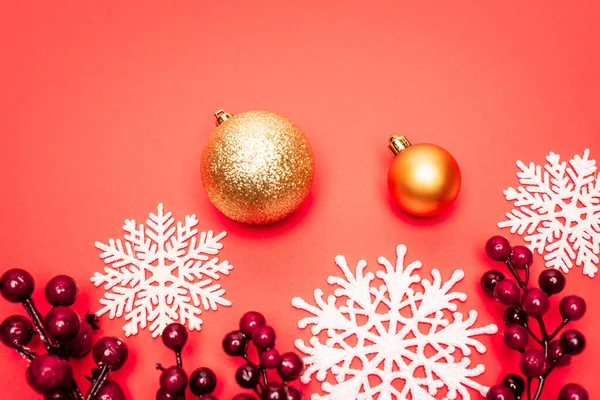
257, 167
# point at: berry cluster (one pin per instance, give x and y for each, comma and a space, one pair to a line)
523, 309
64, 336
254, 376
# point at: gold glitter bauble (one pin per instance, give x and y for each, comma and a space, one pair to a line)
257, 167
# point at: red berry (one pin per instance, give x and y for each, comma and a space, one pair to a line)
274, 391
294, 393
173, 380
16, 331
572, 308
264, 337
247, 376
507, 292
110, 390
291, 367
515, 316
535, 302
250, 321
46, 373
515, 383
235, 344
515, 337
572, 342
521, 257
489, 280
499, 392
60, 394
62, 324
61, 291
498, 248
556, 354
270, 359
573, 391
162, 394
533, 363
16, 285
552, 281
82, 344
110, 351
174, 336
203, 381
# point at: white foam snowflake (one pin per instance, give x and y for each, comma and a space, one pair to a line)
161, 273
382, 336
557, 208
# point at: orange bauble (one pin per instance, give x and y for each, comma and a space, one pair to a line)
424, 179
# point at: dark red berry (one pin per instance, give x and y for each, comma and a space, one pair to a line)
46, 373
203, 381
243, 396
552, 281
515, 337
572, 308
497, 248
110, 351
535, 302
515, 316
507, 292
62, 324
175, 336
16, 285
61, 291
110, 390
515, 383
270, 359
173, 380
235, 344
533, 363
247, 376
573, 391
162, 394
572, 342
294, 393
499, 392
60, 394
250, 321
82, 344
274, 391
291, 367
264, 337
489, 280
16, 331
521, 257
556, 354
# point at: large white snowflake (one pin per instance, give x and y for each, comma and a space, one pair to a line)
391, 335
557, 208
160, 273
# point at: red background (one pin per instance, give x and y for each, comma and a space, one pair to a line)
105, 108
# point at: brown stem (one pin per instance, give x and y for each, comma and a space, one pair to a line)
528, 388
515, 274
99, 380
544, 332
76, 391
558, 328
540, 387
25, 353
36, 318
178, 359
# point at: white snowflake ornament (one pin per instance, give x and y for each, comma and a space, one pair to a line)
557, 209
160, 273
391, 335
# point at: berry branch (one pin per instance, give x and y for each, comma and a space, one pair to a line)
535, 364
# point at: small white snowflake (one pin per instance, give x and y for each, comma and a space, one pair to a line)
382, 336
161, 273
557, 208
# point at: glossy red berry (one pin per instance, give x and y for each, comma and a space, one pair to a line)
250, 321
507, 292
572, 342
533, 363
247, 376
535, 302
521, 257
110, 351
203, 381
270, 359
16, 285
515, 316
294, 393
47, 373
515, 383
82, 344
263, 337
61, 291
489, 280
16, 331
110, 390
175, 336
62, 324
572, 308
515, 337
573, 391
497, 248
235, 344
556, 354
274, 391
173, 380
243, 396
552, 281
291, 367
60, 394
499, 392
162, 394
